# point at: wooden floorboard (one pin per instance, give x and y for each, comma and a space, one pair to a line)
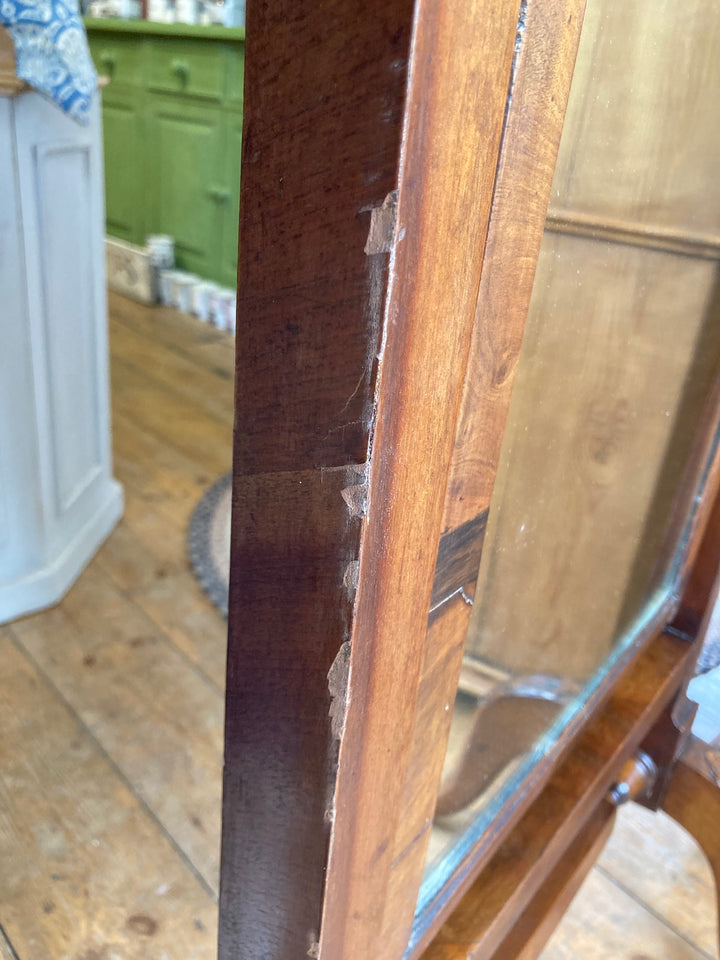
153, 713
657, 863
110, 761
6, 948
605, 923
87, 874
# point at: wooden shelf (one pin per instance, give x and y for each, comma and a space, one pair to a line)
116, 25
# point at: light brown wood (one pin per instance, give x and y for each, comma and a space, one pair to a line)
672, 240
144, 703
206, 346
10, 84
174, 368
172, 603
462, 55
586, 458
538, 920
85, 870
166, 412
693, 798
586, 933
541, 74
646, 850
521, 864
611, 384
653, 124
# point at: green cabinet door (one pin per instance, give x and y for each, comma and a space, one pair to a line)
231, 214
124, 151
187, 196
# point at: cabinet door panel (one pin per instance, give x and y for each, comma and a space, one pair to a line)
233, 153
235, 77
186, 193
123, 148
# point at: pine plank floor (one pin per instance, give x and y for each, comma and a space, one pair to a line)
111, 713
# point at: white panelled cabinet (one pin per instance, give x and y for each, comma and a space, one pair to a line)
58, 499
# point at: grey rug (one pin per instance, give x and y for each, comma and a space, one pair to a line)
208, 541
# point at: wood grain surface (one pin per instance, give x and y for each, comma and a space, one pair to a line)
609, 391
593, 414
693, 798
462, 55
120, 679
104, 880
646, 849
534, 926
653, 125
540, 81
323, 110
520, 866
652, 885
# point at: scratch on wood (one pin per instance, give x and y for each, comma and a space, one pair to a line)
351, 576
338, 676
381, 236
355, 496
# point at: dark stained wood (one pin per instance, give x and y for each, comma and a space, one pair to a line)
458, 559
521, 865
323, 111
325, 105
323, 108
293, 539
363, 434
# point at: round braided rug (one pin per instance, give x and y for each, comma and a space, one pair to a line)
208, 541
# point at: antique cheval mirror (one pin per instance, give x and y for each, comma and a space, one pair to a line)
475, 517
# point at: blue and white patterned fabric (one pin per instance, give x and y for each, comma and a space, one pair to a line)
52, 51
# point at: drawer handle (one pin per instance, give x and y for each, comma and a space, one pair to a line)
180, 68
636, 779
219, 194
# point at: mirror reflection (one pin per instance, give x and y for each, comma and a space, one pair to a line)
620, 350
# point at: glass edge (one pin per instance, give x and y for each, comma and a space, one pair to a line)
437, 886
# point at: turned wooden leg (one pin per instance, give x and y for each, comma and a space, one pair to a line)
693, 798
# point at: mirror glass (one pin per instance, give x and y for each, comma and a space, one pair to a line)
619, 355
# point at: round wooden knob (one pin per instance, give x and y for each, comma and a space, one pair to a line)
636, 779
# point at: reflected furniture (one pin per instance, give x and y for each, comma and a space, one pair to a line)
172, 128
58, 498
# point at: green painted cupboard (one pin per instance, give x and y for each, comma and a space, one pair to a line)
172, 117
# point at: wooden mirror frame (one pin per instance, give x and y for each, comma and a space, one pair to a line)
397, 163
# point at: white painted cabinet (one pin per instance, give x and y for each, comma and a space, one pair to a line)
58, 500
